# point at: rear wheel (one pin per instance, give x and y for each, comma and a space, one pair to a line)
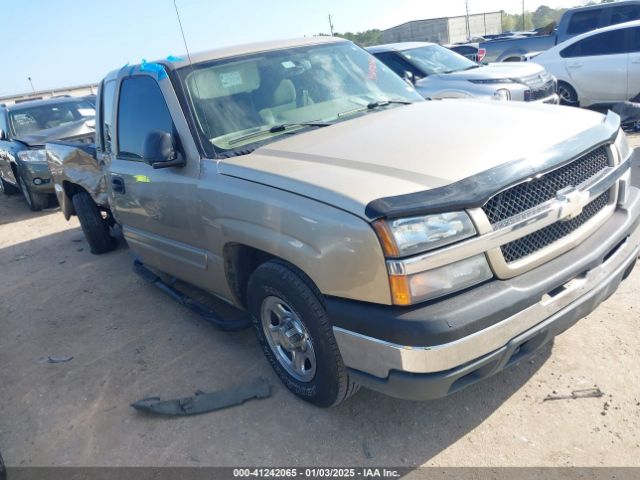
296, 336
567, 94
94, 226
36, 200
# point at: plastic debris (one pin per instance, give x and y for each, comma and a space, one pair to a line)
56, 359
576, 394
202, 402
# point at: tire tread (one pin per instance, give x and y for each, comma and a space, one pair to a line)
94, 227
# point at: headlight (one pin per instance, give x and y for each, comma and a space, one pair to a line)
33, 155
407, 236
502, 94
622, 146
410, 289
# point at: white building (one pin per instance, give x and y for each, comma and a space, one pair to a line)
78, 91
445, 30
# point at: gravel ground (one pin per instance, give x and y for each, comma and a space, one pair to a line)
129, 341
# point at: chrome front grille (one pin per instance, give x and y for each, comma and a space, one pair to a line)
525, 246
528, 195
541, 85
545, 91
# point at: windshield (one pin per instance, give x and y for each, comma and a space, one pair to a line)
434, 59
29, 120
239, 101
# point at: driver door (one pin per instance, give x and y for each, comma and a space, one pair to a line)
157, 208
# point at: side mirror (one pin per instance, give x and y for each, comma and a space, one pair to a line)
409, 78
160, 151
3, 135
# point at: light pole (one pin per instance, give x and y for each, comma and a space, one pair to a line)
330, 25
523, 27
466, 5
33, 89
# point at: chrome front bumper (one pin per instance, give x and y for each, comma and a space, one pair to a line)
607, 256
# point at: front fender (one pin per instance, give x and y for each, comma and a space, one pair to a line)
337, 250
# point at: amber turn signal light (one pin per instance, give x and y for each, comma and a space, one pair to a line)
386, 239
400, 293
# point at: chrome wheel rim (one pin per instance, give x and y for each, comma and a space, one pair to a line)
25, 193
288, 339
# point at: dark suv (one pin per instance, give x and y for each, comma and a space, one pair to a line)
24, 129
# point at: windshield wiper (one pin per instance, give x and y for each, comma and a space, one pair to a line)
276, 129
384, 103
374, 105
471, 67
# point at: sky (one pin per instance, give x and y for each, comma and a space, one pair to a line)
61, 43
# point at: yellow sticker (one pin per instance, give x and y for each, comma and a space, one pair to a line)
142, 179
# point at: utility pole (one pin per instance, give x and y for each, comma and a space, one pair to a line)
33, 89
330, 25
523, 27
466, 5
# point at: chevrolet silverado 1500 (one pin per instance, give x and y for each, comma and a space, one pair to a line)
371, 240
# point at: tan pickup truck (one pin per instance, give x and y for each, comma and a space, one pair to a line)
370, 238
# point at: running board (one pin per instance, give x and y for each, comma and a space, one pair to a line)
201, 309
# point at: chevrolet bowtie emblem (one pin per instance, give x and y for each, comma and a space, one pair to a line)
573, 201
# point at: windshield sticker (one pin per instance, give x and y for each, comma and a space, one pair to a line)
87, 112
231, 79
288, 64
142, 179
373, 69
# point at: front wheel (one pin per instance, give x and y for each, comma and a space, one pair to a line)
296, 336
94, 226
36, 200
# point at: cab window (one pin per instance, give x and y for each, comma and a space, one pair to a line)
141, 110
624, 13
584, 21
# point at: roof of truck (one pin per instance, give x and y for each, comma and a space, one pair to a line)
617, 3
174, 62
236, 50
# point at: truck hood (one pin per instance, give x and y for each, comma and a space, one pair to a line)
495, 71
407, 149
71, 130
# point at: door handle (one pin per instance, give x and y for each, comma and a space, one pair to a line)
574, 65
117, 184
635, 60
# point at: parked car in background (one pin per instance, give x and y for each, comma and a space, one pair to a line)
438, 73
601, 67
375, 238
573, 22
24, 129
467, 50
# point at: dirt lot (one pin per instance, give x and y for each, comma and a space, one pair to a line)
130, 341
